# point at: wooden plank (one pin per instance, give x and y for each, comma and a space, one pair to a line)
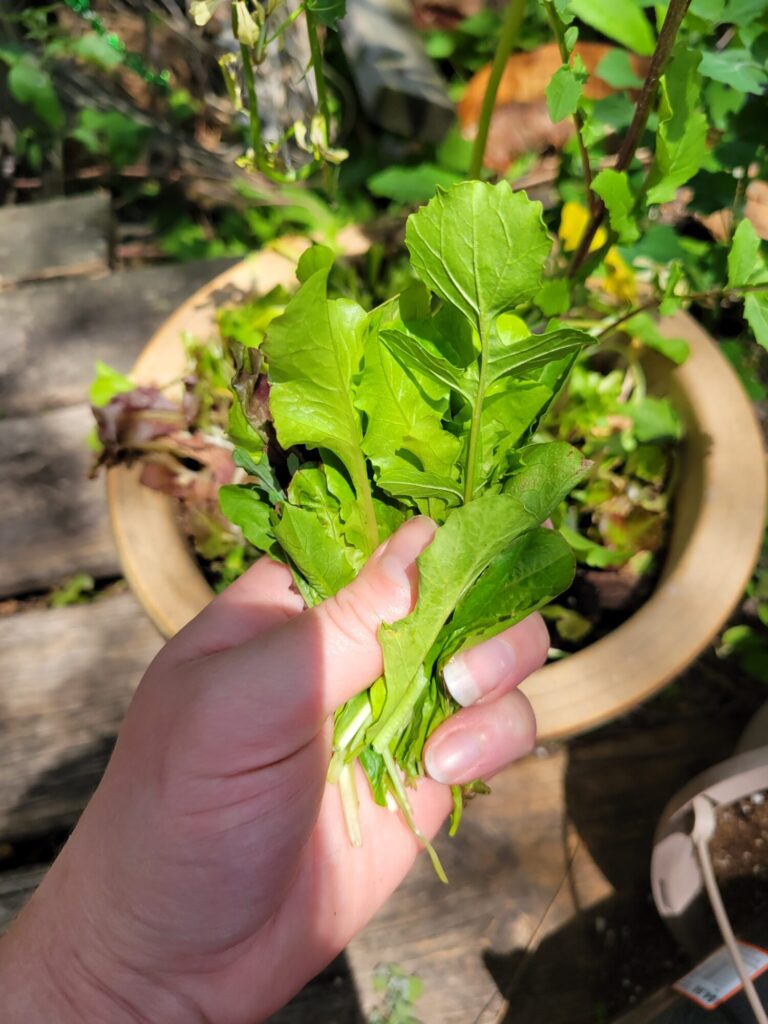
15, 889
59, 238
54, 520
53, 333
66, 678
504, 866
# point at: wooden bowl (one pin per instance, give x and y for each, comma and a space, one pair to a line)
716, 532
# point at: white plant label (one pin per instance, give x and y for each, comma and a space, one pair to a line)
715, 979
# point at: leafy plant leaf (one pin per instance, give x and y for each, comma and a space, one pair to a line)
529, 574
756, 313
318, 553
403, 410
745, 263
736, 68
471, 538
30, 83
402, 480
615, 69
244, 507
412, 352
328, 12
414, 184
681, 141
613, 188
655, 420
315, 350
564, 92
644, 327
537, 350
107, 383
620, 20
482, 248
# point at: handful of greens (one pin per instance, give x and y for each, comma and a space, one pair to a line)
349, 422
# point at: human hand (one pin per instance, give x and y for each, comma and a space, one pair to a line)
211, 874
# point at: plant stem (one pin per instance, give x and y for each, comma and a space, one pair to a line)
400, 795
350, 804
578, 119
675, 13
316, 60
284, 24
711, 293
512, 20
477, 415
253, 102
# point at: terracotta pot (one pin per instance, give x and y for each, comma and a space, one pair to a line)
715, 538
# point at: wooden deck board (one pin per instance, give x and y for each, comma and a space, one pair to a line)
58, 238
66, 677
54, 519
53, 333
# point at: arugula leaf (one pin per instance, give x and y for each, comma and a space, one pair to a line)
535, 351
315, 350
402, 480
529, 574
510, 407
411, 352
471, 538
480, 247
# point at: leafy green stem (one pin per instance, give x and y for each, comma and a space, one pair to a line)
350, 803
477, 415
675, 13
400, 795
316, 60
513, 18
711, 293
284, 24
253, 101
578, 120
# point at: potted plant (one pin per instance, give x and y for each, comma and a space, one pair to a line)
486, 265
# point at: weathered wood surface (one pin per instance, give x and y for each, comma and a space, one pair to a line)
58, 238
505, 865
53, 333
66, 677
54, 520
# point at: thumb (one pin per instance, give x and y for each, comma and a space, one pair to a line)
281, 686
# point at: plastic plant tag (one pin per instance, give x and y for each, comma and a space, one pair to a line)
715, 979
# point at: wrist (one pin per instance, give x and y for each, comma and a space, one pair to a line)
55, 969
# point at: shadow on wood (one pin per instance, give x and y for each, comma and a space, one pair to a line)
612, 955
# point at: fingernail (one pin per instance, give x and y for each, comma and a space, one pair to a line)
472, 674
403, 548
455, 756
